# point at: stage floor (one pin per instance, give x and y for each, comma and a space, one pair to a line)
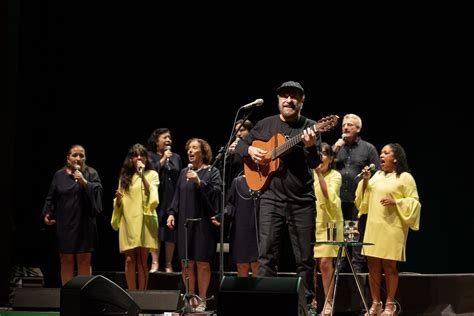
418, 294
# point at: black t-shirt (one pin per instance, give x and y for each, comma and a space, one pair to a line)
293, 182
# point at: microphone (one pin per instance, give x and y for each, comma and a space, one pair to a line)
77, 168
371, 167
344, 136
140, 167
233, 145
190, 167
258, 102
167, 159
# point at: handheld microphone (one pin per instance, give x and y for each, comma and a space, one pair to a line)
190, 167
233, 145
344, 136
258, 102
372, 168
168, 159
140, 167
77, 168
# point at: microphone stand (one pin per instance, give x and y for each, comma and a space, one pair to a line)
187, 307
218, 157
225, 148
223, 193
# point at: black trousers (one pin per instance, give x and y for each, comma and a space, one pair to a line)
300, 219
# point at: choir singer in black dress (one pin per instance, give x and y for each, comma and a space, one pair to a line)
196, 201
72, 204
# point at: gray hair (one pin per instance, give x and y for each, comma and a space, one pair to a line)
356, 118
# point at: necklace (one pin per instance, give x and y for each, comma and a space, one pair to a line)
200, 168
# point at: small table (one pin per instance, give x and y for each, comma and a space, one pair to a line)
343, 245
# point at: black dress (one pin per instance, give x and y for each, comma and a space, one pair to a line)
75, 209
243, 230
193, 202
168, 174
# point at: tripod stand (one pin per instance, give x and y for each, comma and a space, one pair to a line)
255, 195
188, 307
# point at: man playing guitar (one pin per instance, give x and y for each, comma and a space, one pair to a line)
287, 195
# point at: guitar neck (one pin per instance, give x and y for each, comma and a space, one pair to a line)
283, 148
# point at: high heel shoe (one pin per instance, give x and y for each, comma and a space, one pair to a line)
193, 301
375, 309
154, 267
201, 307
327, 310
390, 309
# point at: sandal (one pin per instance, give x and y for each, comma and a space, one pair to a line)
327, 310
193, 303
154, 267
313, 307
390, 309
375, 309
201, 307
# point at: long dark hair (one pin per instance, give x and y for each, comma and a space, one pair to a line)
326, 148
128, 169
401, 165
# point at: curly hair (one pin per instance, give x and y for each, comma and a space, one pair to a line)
206, 149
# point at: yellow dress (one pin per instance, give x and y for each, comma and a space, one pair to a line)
136, 218
387, 226
328, 210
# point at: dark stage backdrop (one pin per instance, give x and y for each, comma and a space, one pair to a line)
106, 80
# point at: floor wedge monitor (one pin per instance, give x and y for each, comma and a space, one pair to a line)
95, 295
261, 296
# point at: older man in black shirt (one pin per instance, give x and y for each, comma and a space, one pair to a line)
287, 197
353, 154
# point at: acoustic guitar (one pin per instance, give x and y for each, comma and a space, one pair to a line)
258, 176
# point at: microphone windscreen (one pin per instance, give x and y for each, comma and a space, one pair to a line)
76, 168
190, 166
372, 168
343, 136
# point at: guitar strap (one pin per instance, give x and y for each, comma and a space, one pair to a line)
297, 129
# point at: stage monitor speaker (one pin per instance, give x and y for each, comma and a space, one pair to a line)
95, 295
261, 296
36, 299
